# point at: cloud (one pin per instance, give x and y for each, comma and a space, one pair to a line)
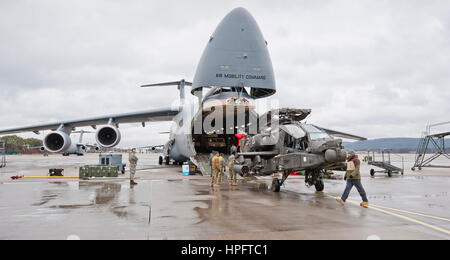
372, 68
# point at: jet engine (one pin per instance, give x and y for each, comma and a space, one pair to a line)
57, 141
108, 136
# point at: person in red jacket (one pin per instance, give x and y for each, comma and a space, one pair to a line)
241, 138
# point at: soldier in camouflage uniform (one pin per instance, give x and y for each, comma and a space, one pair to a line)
132, 158
232, 174
215, 168
221, 168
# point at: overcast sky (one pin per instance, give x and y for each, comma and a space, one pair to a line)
371, 68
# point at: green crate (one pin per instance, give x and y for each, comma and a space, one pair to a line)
106, 171
98, 171
113, 171
83, 172
90, 171
94, 171
103, 171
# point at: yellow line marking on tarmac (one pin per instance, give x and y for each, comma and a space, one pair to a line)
413, 213
401, 216
412, 220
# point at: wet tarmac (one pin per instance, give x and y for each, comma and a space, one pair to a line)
166, 205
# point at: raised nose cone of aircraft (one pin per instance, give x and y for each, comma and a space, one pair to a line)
235, 56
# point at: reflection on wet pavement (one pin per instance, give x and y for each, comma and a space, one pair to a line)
191, 209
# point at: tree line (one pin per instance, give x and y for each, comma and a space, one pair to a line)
18, 144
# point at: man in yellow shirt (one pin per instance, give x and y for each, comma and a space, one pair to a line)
231, 172
221, 168
215, 168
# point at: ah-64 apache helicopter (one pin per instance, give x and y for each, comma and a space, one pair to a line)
285, 145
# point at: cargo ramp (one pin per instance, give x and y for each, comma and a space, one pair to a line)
201, 160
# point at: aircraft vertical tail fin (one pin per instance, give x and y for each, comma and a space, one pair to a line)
181, 84
81, 132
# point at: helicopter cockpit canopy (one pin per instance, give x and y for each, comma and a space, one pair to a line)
315, 133
294, 130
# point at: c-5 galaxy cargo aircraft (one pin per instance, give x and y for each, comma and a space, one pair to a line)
235, 69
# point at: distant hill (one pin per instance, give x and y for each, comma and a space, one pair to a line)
395, 144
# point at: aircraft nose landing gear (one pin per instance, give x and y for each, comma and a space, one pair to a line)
314, 177
276, 185
319, 185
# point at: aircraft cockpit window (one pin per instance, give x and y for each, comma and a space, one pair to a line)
315, 133
293, 130
321, 135
240, 90
311, 129
217, 91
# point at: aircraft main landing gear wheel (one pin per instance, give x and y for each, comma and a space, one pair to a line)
320, 185
276, 185
160, 160
372, 172
389, 173
167, 160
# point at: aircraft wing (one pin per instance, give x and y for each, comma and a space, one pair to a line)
32, 147
341, 134
151, 146
155, 115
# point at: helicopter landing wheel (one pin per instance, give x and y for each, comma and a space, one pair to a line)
320, 185
276, 185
